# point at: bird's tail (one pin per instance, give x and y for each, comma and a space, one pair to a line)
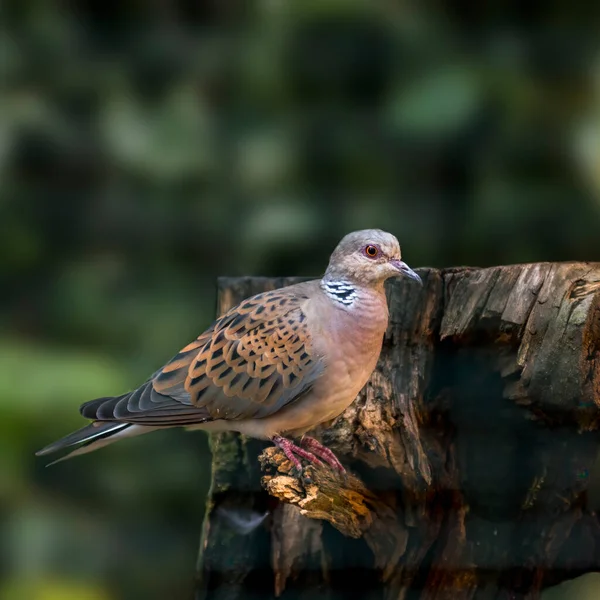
90, 438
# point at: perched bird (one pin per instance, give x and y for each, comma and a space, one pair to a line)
273, 367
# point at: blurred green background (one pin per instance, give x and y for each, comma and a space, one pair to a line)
147, 147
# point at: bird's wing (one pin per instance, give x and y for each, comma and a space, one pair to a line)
251, 362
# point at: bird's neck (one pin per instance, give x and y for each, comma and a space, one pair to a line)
361, 315
347, 293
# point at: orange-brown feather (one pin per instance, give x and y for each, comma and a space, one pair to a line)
256, 353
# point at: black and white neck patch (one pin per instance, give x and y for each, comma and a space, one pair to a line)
340, 291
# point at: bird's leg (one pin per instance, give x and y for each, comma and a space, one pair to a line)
291, 451
315, 447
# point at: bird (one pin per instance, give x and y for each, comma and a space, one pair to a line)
273, 367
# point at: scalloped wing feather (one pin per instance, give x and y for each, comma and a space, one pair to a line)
254, 360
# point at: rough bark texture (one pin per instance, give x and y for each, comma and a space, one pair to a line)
470, 453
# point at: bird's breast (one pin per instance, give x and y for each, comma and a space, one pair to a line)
358, 331
349, 341
354, 339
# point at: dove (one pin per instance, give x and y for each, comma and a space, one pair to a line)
273, 367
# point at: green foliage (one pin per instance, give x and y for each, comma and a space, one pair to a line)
146, 148
34, 377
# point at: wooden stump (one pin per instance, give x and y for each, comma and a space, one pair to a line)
470, 453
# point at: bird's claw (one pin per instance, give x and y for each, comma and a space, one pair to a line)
317, 449
292, 452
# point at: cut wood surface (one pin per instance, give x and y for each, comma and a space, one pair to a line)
471, 452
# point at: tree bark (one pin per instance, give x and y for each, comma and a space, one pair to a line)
470, 453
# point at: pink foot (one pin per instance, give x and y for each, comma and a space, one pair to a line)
317, 449
291, 451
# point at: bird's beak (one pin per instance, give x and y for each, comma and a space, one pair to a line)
404, 269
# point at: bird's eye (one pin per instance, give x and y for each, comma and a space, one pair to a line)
371, 251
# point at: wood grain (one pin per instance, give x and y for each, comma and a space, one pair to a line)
470, 452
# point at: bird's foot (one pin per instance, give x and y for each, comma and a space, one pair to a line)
292, 452
317, 449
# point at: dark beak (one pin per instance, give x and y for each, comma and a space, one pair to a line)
404, 269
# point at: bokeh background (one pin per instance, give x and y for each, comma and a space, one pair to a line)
147, 147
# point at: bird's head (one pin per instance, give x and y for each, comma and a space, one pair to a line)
368, 257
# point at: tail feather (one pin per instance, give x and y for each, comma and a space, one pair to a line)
92, 437
86, 434
89, 409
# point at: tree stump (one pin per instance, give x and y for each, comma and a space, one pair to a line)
471, 454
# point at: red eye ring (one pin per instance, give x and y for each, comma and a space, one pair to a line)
371, 251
